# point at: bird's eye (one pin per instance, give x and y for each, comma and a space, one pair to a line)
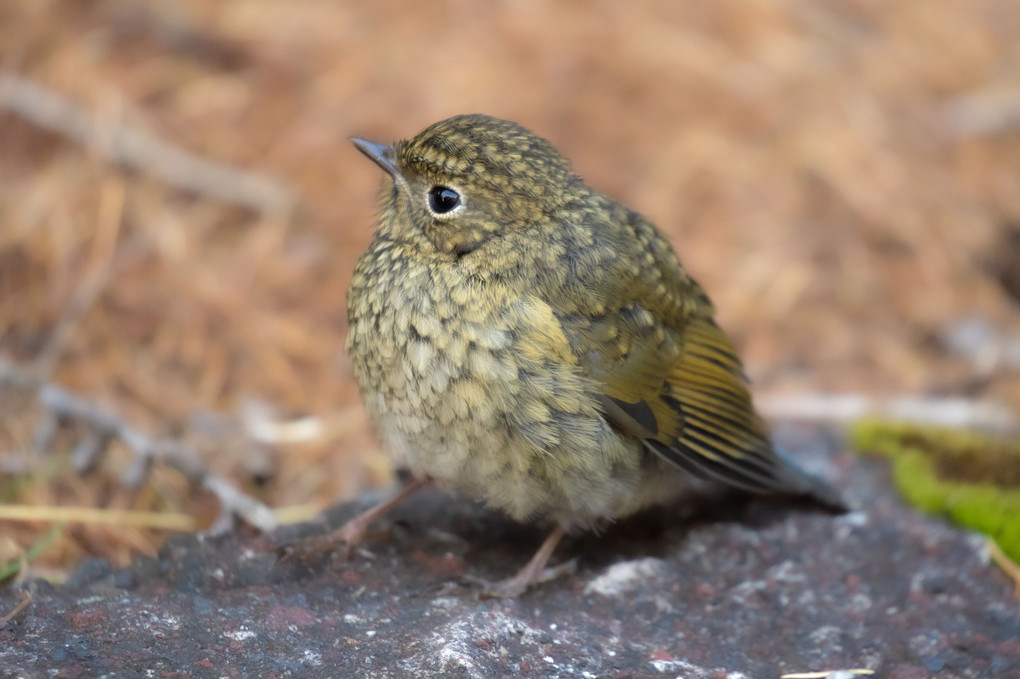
442, 199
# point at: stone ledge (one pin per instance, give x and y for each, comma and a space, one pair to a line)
734, 588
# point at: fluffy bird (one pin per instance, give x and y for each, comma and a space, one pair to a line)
525, 340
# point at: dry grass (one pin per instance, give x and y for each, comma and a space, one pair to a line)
834, 174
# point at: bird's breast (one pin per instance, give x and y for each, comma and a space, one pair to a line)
431, 354
473, 383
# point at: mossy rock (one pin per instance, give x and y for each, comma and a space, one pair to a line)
974, 479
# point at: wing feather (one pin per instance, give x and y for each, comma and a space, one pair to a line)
695, 410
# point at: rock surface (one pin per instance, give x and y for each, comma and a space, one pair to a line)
734, 588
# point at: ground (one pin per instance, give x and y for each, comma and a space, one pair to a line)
722, 588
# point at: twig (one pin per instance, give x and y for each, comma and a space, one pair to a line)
950, 412
828, 674
1008, 566
94, 515
982, 114
141, 151
19, 565
253, 511
105, 426
22, 605
16, 559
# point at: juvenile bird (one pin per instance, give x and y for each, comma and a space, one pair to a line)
527, 341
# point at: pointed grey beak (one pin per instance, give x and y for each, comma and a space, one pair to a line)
380, 154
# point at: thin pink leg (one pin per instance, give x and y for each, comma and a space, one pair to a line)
515, 586
351, 533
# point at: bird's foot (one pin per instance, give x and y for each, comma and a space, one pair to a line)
343, 540
513, 587
339, 544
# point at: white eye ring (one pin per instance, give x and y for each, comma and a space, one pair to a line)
444, 201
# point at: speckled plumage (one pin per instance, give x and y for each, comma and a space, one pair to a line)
540, 347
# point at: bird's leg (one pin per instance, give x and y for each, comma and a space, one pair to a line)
354, 529
351, 533
531, 573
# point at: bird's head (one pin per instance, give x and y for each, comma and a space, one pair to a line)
470, 178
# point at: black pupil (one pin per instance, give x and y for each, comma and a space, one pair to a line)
443, 199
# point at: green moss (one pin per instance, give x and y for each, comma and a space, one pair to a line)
971, 478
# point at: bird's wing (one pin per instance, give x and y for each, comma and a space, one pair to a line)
667, 374
683, 394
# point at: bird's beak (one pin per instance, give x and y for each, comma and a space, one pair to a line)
380, 154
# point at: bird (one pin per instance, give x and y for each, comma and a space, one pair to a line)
522, 339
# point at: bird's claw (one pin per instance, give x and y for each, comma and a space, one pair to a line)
340, 544
314, 547
513, 587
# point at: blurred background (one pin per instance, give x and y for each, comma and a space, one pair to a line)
180, 210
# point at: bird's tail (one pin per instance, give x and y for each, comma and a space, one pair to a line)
801, 482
